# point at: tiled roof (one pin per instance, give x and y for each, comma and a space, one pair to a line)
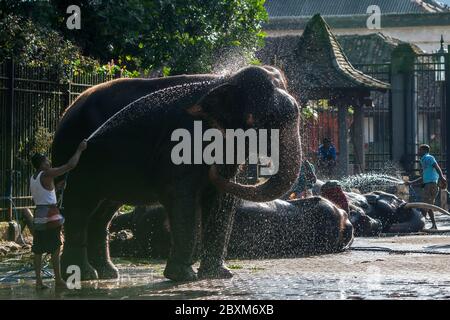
302, 8
375, 48
315, 62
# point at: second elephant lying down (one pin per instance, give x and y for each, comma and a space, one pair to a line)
377, 212
275, 229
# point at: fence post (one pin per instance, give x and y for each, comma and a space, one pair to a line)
66, 88
403, 106
447, 115
358, 137
343, 162
9, 138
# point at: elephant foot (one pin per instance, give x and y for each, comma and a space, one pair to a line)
71, 260
217, 272
179, 272
106, 270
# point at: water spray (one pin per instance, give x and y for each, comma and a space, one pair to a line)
131, 104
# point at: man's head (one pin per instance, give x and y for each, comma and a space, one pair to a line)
40, 161
326, 142
424, 149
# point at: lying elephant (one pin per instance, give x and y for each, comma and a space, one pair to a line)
130, 123
375, 212
276, 229
394, 215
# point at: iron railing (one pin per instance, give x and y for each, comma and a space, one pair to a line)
32, 101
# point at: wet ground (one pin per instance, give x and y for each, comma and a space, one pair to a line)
395, 267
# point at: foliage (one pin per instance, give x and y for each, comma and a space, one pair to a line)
42, 140
308, 112
37, 46
172, 36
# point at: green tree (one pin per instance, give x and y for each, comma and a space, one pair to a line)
37, 46
173, 36
181, 36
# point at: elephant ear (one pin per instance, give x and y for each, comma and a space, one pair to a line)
217, 105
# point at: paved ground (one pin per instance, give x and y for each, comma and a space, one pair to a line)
406, 267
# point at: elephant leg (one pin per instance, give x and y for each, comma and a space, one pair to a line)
216, 235
184, 217
75, 238
98, 245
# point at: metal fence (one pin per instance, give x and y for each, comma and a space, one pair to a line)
427, 114
429, 106
377, 120
31, 103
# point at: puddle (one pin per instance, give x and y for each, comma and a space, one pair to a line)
349, 275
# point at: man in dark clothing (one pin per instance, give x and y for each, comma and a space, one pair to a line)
326, 158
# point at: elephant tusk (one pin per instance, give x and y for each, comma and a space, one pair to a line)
422, 205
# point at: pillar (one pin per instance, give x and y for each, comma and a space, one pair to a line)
358, 138
404, 108
343, 159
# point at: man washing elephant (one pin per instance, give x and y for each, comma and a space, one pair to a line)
431, 178
47, 221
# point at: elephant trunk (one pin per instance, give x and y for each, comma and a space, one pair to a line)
279, 183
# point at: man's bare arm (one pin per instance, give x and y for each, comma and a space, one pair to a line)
439, 171
70, 165
408, 183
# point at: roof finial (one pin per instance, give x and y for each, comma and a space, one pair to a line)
442, 49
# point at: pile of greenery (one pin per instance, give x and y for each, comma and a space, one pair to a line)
131, 36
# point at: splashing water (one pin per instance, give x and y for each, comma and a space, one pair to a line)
230, 61
370, 182
156, 100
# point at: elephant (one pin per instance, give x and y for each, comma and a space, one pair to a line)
275, 229
130, 124
374, 212
150, 233
363, 224
378, 211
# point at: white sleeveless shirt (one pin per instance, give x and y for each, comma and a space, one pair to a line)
41, 196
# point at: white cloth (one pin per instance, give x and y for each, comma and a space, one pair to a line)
41, 196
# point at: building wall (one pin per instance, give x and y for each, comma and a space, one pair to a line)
427, 38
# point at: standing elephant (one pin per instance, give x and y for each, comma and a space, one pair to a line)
128, 161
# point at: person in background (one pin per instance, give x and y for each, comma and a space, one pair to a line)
47, 221
326, 158
332, 190
430, 179
305, 181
